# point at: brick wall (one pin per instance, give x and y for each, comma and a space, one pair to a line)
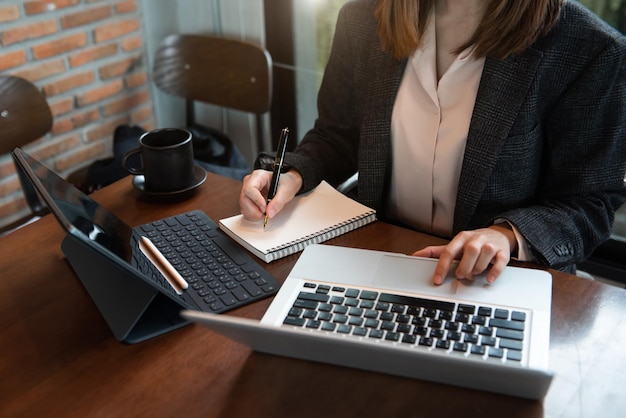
86, 56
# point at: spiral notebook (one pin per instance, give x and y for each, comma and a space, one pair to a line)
310, 218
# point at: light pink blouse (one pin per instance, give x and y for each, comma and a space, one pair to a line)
429, 127
430, 122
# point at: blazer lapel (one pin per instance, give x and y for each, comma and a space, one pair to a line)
374, 151
502, 91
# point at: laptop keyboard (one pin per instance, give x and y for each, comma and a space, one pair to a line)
477, 331
221, 274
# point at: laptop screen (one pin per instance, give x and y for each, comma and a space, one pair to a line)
75, 210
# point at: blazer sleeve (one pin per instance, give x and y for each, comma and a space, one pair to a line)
583, 182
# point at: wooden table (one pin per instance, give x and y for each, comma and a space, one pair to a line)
58, 357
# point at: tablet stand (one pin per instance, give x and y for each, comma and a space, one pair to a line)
134, 310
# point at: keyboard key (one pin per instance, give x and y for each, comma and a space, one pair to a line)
425, 341
510, 334
496, 352
339, 309
459, 346
325, 316
306, 304
518, 316
466, 309
371, 323
369, 295
340, 319
328, 326
444, 344
501, 314
317, 297
312, 323
511, 344
420, 302
504, 323
360, 331
355, 321
294, 321
392, 336
484, 311
376, 333
478, 349
355, 311
295, 312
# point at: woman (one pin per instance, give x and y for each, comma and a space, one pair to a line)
499, 124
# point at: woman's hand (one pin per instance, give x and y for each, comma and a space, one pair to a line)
477, 250
253, 200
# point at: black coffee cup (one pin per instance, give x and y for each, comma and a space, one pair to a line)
167, 162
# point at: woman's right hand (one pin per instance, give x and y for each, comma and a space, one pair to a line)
253, 196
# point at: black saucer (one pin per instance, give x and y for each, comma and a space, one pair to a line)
199, 176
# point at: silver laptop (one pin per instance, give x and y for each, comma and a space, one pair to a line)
379, 311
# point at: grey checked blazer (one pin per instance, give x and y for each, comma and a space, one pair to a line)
546, 147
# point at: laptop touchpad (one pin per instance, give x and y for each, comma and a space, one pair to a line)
405, 273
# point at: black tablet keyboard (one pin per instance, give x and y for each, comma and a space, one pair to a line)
220, 273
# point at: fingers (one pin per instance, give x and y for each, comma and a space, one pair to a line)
442, 252
479, 251
252, 198
288, 185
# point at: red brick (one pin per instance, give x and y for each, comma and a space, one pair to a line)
127, 6
12, 59
55, 147
85, 17
118, 68
42, 70
62, 106
59, 45
43, 6
126, 103
114, 30
99, 93
9, 13
80, 156
7, 168
10, 185
136, 80
29, 31
68, 83
141, 115
81, 119
105, 129
75, 121
62, 125
92, 54
131, 43
13, 207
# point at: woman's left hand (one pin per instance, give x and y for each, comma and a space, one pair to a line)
477, 250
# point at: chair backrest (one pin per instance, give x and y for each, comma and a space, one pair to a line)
24, 113
24, 117
215, 70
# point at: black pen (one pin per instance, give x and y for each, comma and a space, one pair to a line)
278, 166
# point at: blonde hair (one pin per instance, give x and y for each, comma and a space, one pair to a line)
506, 27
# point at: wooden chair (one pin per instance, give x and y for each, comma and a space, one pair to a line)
24, 117
218, 71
